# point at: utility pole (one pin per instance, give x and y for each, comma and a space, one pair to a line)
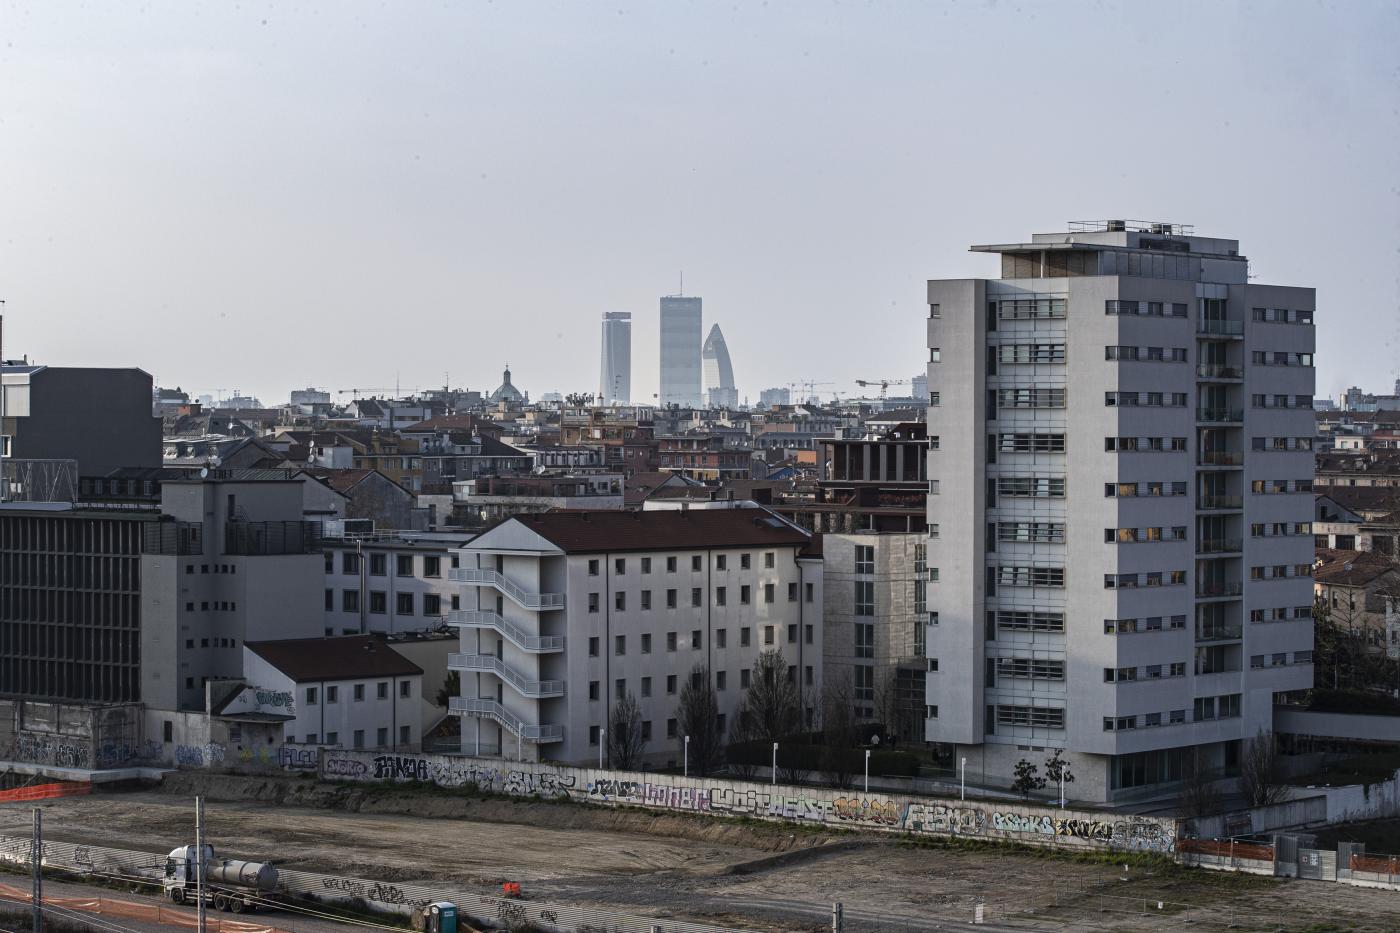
36, 860
199, 859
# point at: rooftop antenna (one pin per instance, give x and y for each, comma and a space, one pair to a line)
681, 293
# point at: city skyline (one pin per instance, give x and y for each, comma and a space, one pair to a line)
268, 252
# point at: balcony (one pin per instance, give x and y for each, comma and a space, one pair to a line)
1220, 328
517, 636
536, 601
1219, 503
1219, 372
1217, 633
257, 539
1218, 590
1219, 546
487, 663
1220, 458
1219, 415
490, 709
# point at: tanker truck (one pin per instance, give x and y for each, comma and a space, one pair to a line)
229, 884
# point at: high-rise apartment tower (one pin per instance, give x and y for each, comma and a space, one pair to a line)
1120, 496
615, 387
680, 351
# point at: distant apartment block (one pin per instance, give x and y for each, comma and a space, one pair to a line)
774, 398
1119, 509
680, 352
99, 417
615, 384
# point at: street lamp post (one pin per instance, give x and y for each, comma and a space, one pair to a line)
602, 744
962, 780
1062, 787
867, 770
775, 764
686, 758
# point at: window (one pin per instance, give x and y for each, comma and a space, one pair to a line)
358, 738
349, 563
865, 558
405, 735
671, 684
332, 738
350, 600
745, 636
721, 680
405, 689
646, 686
403, 604
1030, 576
865, 597
593, 568
432, 568
620, 688
1031, 443
1045, 717
593, 646
332, 694
646, 643
745, 594
403, 565
1031, 487
594, 691
696, 638
378, 601
619, 566
592, 602
1030, 398
670, 599
619, 645
695, 564
670, 641
381, 690
432, 604
745, 678
593, 732
357, 693
646, 565
620, 600
696, 596
381, 737
720, 596
378, 566
721, 562
769, 592
310, 696
1031, 353
671, 729
865, 640
810, 590
670, 565
720, 638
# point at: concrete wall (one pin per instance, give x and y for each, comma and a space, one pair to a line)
1015, 822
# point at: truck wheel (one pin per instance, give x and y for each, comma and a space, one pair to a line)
220, 902
235, 904
177, 895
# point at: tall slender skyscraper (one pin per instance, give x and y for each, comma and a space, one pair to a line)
680, 351
719, 374
615, 386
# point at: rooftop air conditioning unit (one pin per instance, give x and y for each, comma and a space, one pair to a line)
1117, 226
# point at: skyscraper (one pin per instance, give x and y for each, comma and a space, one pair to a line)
719, 374
680, 351
615, 386
1121, 470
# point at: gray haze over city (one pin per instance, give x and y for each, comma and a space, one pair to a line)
347, 195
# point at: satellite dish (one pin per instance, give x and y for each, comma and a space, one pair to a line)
203, 472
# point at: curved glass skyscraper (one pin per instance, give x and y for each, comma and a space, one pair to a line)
719, 374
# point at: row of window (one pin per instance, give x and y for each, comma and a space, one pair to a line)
1269, 487
1279, 659
1145, 399
1123, 353
358, 738
1280, 529
1030, 443
1282, 443
1144, 444
1038, 717
213, 643
1023, 621
1281, 614
1026, 576
696, 563
1282, 316
1121, 675
1030, 353
1206, 709
697, 639
1280, 571
620, 687
1281, 401
1127, 490
214, 606
1024, 669
1147, 624
1131, 581
357, 692
379, 564
1038, 532
1029, 487
218, 568
1141, 535
1280, 358
404, 603
1146, 308
1030, 398
1023, 309
697, 595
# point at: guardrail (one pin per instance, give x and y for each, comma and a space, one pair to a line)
490, 709
479, 577
1221, 328
535, 689
482, 618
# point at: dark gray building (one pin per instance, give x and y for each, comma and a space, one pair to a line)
99, 417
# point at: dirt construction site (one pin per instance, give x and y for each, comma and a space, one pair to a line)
726, 872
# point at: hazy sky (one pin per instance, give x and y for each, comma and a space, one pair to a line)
272, 195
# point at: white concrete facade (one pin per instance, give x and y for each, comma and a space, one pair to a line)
1110, 506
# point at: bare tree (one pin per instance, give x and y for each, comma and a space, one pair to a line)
772, 702
625, 741
1260, 779
840, 728
1198, 795
698, 715
740, 752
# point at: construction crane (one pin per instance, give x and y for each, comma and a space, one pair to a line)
884, 384
810, 385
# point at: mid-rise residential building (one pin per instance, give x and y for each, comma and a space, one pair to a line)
565, 613
720, 391
680, 352
1114, 532
99, 417
615, 384
704, 456
389, 582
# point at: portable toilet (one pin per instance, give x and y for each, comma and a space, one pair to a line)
440, 917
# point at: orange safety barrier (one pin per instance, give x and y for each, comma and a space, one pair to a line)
1226, 849
510, 888
1380, 864
134, 910
45, 792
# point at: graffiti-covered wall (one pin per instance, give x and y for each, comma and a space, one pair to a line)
1023, 823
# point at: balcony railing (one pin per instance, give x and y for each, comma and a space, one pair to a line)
1218, 546
1217, 633
246, 538
1219, 503
1219, 415
1218, 371
515, 591
534, 689
490, 709
1221, 328
1206, 590
1220, 458
517, 636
